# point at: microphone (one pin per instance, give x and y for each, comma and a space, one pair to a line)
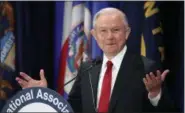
93, 63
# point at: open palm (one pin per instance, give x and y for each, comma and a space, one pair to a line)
153, 83
26, 81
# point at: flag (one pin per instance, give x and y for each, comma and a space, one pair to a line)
59, 16
71, 44
146, 33
151, 38
7, 50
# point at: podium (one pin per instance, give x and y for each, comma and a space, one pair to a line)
37, 99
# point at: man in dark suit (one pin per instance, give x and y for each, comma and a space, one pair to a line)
117, 83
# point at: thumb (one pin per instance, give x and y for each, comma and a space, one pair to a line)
163, 76
42, 76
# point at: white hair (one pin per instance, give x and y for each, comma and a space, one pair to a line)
110, 10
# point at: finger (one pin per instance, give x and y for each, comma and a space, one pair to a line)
163, 76
42, 77
152, 76
22, 82
158, 73
158, 78
25, 76
145, 77
146, 84
153, 79
20, 79
21, 85
148, 79
145, 81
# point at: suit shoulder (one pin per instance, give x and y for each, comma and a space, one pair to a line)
149, 65
147, 61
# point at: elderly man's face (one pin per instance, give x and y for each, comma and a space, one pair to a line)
110, 33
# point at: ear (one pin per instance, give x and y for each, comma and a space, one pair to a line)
128, 32
93, 32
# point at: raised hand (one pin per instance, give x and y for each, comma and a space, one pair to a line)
26, 81
153, 83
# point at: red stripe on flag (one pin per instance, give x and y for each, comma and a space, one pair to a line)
62, 69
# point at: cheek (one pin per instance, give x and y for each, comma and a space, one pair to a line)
121, 40
100, 39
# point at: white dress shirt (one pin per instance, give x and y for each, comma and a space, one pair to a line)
117, 60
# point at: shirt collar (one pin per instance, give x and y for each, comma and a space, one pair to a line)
117, 60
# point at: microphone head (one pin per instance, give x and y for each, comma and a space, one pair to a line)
97, 61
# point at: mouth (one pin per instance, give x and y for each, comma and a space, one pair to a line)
110, 44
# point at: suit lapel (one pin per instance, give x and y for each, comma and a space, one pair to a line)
95, 72
122, 81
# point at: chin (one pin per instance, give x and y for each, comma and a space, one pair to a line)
112, 53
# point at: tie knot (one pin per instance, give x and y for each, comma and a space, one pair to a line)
109, 64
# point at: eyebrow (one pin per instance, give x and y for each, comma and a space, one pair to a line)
111, 27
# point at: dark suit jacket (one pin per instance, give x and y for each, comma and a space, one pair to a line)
129, 93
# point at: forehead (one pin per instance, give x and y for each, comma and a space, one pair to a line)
109, 20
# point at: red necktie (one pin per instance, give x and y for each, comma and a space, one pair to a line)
106, 89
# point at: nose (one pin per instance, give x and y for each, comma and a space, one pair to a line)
109, 35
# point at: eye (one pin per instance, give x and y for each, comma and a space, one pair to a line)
116, 29
103, 30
